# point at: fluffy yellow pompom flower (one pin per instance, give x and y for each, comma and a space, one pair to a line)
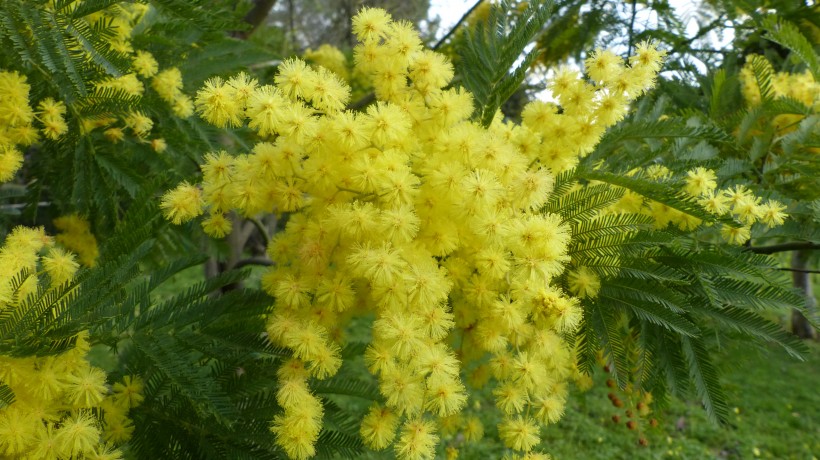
128, 393
417, 440
139, 123
87, 387
75, 235
145, 64
747, 208
295, 79
158, 145
329, 92
16, 431
603, 65
331, 58
51, 113
114, 135
265, 107
15, 102
298, 428
700, 181
217, 225
243, 86
379, 427
78, 435
584, 282
168, 84
716, 203
217, 102
473, 429
519, 433
182, 203
59, 265
735, 235
10, 161
771, 213
445, 395
550, 409
371, 24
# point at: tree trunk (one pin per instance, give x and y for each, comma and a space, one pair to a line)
802, 280
255, 17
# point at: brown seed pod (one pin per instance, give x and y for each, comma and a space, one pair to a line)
643, 442
631, 424
616, 418
653, 422
610, 383
617, 402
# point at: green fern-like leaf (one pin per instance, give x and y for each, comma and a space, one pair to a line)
493, 48
787, 34
703, 373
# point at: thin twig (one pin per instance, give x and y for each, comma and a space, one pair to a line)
784, 247
632, 27
263, 231
798, 270
261, 261
701, 32
452, 30
255, 17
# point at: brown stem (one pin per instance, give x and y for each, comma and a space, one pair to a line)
255, 17
784, 247
457, 25
263, 261
801, 277
785, 269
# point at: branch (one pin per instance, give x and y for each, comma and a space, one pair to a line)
255, 17
701, 32
775, 248
798, 270
253, 261
458, 24
263, 232
632, 27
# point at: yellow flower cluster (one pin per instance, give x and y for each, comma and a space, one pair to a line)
120, 20
701, 184
334, 60
331, 58
799, 86
16, 118
416, 215
63, 407
560, 137
739, 201
75, 235
51, 115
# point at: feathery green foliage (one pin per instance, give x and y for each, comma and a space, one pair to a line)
490, 55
